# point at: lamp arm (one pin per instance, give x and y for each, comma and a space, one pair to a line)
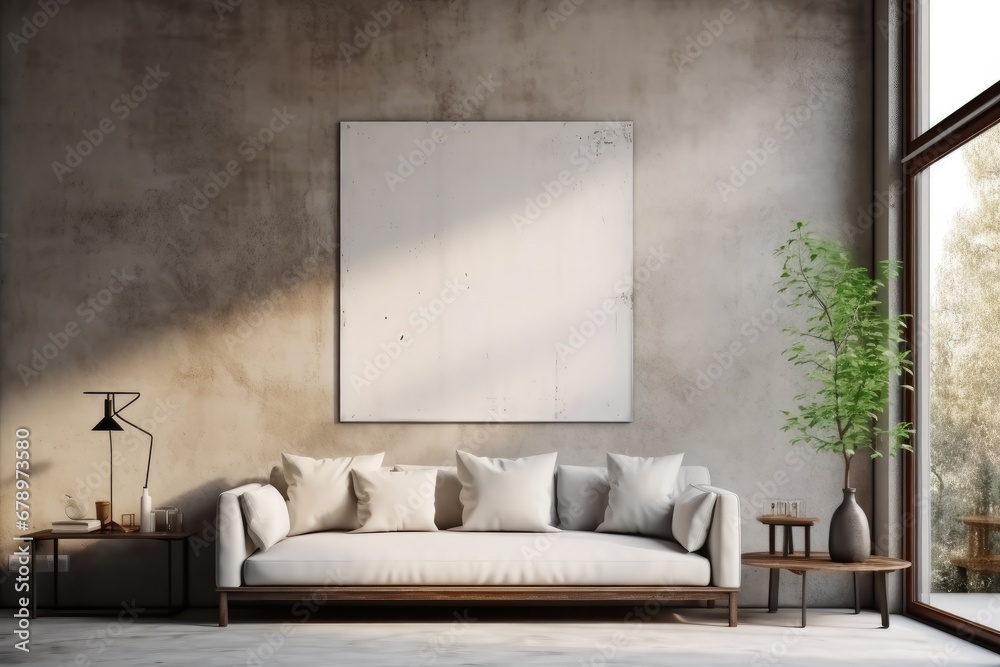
149, 460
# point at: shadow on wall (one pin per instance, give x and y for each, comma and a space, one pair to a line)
218, 199
134, 573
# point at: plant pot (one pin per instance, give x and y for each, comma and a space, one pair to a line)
850, 536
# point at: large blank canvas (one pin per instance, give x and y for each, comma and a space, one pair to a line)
486, 272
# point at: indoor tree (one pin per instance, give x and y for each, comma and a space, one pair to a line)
850, 350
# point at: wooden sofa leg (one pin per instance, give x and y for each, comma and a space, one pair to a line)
223, 610
733, 609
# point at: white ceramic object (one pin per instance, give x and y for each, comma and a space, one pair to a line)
145, 512
76, 509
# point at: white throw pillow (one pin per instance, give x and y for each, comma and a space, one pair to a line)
395, 501
582, 496
693, 517
447, 500
507, 495
320, 492
641, 496
266, 515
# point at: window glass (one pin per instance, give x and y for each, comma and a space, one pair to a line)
959, 55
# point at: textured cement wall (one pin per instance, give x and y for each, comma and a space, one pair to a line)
219, 302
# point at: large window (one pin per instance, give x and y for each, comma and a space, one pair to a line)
953, 278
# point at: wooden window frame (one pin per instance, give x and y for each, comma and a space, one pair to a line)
922, 150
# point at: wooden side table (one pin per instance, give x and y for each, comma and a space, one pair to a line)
979, 555
788, 522
787, 546
820, 562
169, 538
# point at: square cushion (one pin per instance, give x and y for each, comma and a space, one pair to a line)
320, 492
391, 501
507, 494
582, 496
584, 492
447, 502
640, 499
266, 516
693, 517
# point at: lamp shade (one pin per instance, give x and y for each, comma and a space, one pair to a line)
108, 423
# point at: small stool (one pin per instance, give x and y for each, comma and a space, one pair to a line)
788, 522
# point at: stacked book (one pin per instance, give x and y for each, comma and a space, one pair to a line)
76, 526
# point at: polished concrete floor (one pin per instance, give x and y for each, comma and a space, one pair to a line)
475, 636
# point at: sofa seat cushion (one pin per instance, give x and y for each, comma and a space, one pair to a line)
447, 558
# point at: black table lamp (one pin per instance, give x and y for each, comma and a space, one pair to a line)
109, 424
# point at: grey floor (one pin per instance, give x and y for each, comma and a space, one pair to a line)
492, 637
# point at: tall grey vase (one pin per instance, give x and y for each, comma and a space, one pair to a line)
850, 538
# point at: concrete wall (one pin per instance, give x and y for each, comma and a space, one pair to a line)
224, 316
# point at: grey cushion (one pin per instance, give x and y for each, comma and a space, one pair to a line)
588, 504
582, 494
447, 506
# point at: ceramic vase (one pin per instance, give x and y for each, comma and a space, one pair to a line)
850, 536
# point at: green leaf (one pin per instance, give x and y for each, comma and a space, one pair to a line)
849, 350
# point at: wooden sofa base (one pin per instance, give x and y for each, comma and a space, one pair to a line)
486, 594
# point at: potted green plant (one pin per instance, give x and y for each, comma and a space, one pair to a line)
850, 352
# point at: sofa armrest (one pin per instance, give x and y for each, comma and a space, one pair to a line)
723, 546
234, 545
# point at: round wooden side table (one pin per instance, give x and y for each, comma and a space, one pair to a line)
820, 562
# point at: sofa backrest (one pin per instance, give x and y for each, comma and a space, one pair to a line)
686, 476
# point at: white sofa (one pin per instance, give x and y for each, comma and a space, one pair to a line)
481, 566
